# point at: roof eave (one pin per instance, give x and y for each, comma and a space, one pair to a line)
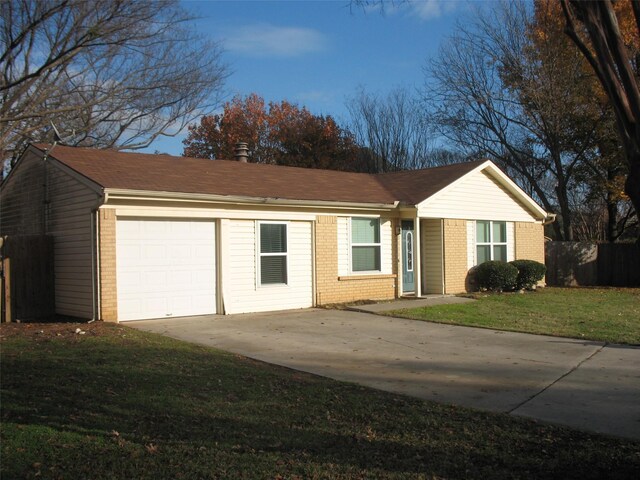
127, 194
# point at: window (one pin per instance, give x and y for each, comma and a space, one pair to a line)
365, 244
273, 253
491, 241
408, 251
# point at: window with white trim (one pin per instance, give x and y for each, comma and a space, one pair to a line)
365, 244
491, 241
272, 243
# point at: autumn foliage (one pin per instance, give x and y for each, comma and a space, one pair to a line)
276, 133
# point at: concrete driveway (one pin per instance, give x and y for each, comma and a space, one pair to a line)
583, 384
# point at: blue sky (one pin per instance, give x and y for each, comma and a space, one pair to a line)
318, 53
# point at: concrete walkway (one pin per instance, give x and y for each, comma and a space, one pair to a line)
582, 384
424, 301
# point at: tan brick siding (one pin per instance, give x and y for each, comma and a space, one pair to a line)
108, 286
529, 240
455, 256
330, 288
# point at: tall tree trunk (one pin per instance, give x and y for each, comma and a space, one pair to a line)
632, 185
608, 56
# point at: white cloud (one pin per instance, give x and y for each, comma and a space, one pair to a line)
264, 40
430, 9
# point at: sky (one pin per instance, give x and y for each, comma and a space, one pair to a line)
319, 53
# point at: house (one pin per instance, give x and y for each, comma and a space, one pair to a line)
145, 236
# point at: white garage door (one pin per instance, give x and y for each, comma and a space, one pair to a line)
165, 268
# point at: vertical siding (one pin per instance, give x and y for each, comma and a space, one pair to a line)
471, 244
22, 198
70, 225
477, 196
511, 247
242, 292
431, 250
344, 241
386, 232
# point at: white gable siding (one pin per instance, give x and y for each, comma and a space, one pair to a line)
241, 291
70, 224
344, 246
477, 196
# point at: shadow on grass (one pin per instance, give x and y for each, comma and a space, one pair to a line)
145, 406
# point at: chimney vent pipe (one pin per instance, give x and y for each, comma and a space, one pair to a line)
241, 152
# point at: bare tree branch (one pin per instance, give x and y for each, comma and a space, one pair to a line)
119, 73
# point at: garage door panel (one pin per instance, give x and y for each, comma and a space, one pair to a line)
165, 268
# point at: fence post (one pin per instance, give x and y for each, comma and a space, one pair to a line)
8, 311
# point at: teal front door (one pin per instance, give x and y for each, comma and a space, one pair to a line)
408, 278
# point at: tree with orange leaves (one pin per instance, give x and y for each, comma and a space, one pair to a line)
601, 172
606, 33
276, 133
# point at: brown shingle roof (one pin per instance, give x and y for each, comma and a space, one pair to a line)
414, 186
164, 173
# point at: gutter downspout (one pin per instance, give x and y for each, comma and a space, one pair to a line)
418, 256
93, 221
314, 279
549, 219
443, 275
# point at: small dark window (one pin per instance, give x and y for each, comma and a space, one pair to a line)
273, 253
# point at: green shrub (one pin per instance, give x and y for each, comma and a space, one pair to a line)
530, 273
496, 276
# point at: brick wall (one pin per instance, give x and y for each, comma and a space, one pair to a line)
529, 240
108, 290
330, 288
455, 256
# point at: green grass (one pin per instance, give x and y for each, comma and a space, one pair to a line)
120, 403
606, 314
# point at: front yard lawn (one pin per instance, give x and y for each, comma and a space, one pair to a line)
120, 403
605, 314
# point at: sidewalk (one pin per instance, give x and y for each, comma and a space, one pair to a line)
424, 301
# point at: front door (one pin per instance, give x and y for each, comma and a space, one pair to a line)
408, 279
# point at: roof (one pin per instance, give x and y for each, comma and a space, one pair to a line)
112, 169
415, 186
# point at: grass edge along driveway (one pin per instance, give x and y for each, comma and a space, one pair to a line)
604, 314
121, 403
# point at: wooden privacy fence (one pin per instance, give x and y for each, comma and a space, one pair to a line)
27, 278
586, 263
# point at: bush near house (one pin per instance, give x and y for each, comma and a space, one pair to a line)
496, 276
530, 273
